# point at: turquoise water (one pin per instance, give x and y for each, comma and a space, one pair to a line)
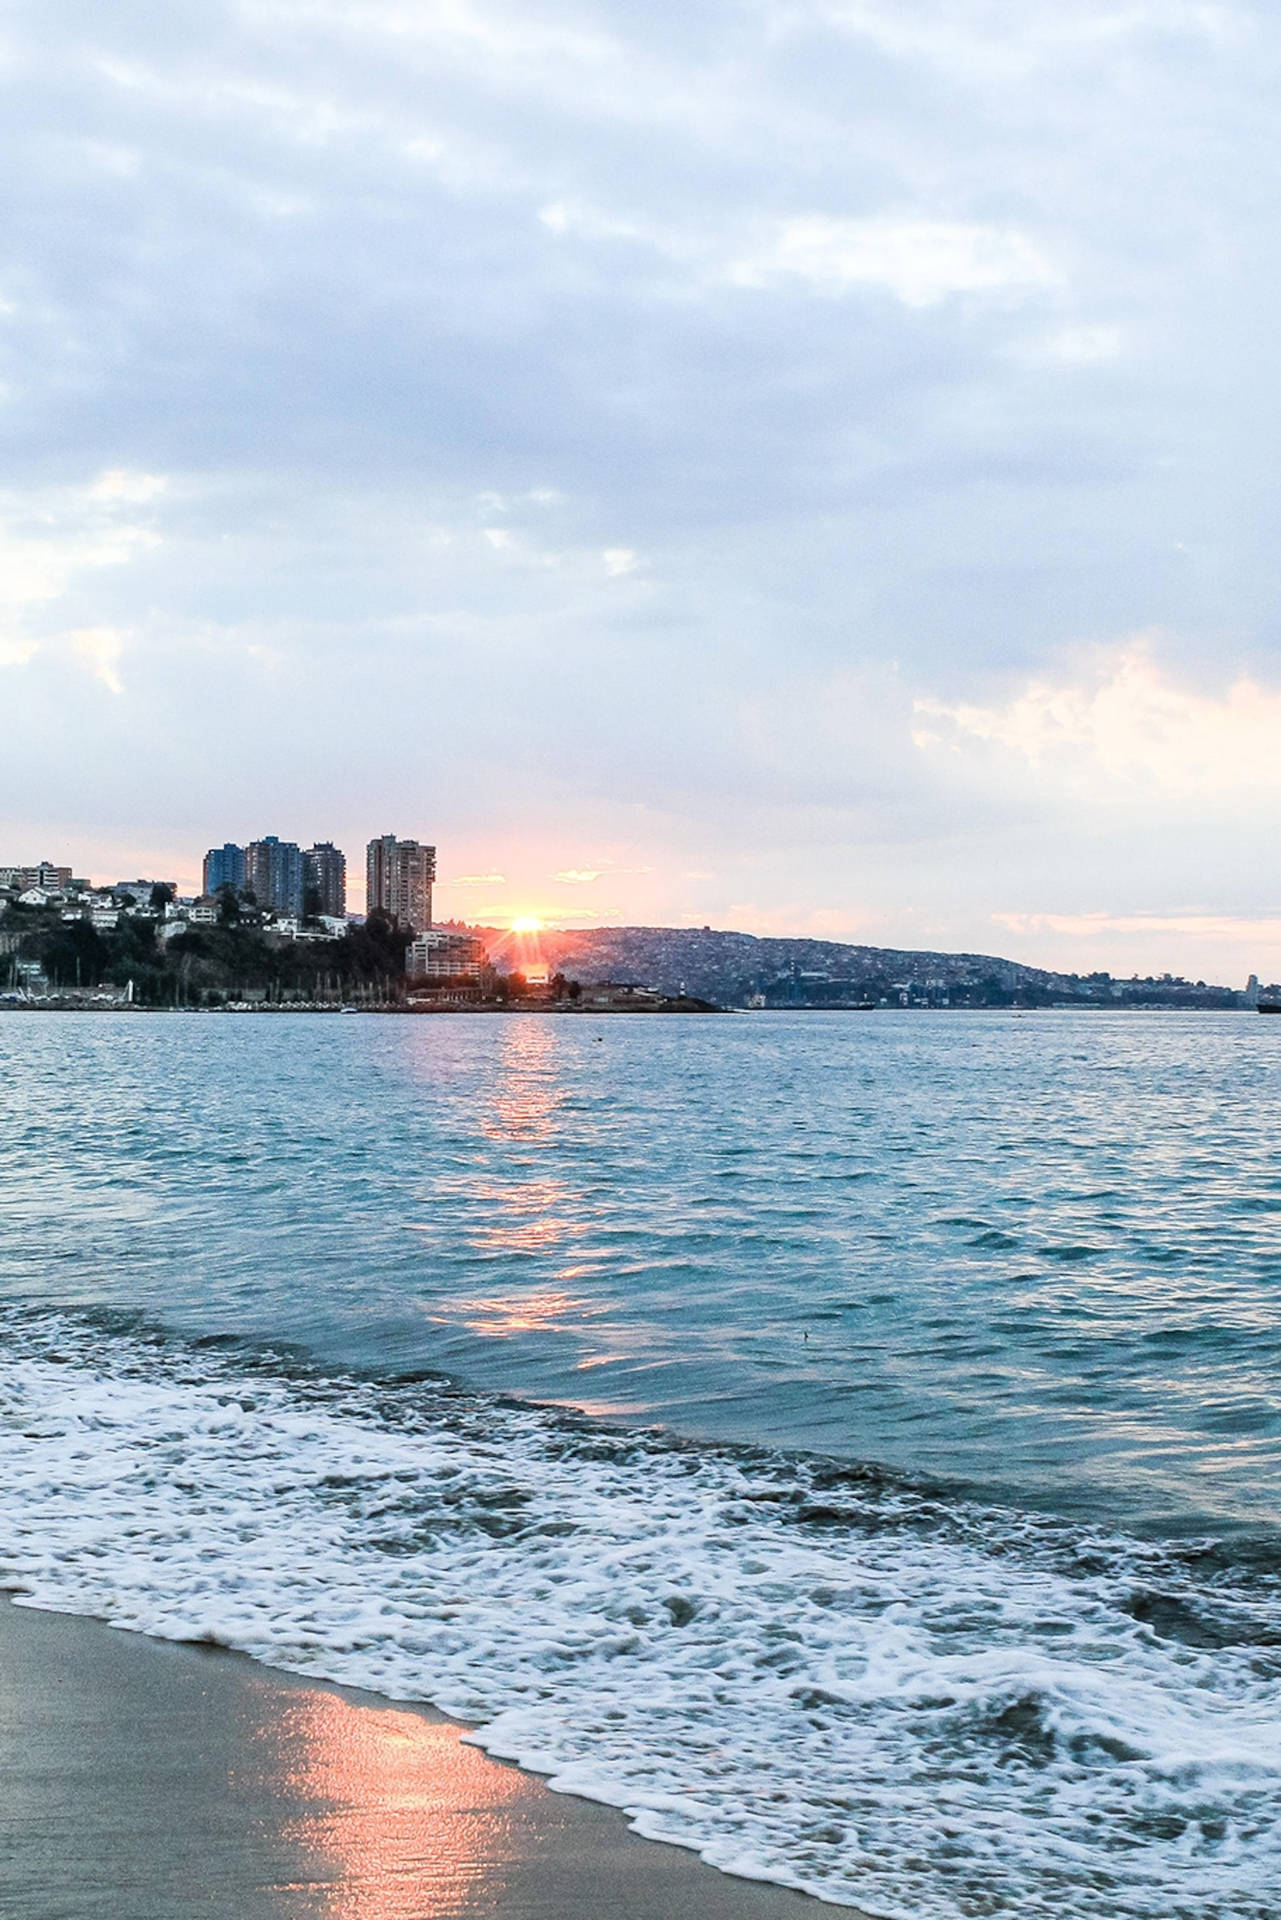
1041, 1254
850, 1443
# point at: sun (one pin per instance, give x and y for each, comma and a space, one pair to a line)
527, 923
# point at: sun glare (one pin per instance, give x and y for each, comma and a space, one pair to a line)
527, 924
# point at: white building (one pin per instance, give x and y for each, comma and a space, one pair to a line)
440, 955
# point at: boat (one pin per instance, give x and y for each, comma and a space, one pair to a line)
1270, 1006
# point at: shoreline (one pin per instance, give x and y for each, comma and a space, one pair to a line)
587, 1013
148, 1779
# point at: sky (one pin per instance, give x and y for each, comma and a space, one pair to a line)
805, 466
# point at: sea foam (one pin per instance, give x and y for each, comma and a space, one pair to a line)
811, 1674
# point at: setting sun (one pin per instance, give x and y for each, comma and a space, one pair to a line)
527, 923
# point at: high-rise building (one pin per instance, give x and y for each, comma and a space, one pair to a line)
224, 867
274, 874
398, 877
325, 875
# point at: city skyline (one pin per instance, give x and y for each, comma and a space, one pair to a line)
786, 468
1011, 932
65, 935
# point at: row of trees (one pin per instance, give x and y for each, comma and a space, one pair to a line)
210, 965
238, 957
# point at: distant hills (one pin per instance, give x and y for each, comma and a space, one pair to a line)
742, 969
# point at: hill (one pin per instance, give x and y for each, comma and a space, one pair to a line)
741, 969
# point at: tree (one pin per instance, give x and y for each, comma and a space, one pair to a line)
375, 949
75, 955
135, 956
161, 895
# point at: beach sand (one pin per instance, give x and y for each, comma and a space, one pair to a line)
145, 1780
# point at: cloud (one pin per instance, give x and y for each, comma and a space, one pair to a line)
101, 649
474, 880
1088, 926
1224, 947
591, 224
136, 489
1085, 345
54, 543
919, 261
983, 44
619, 415
579, 876
1129, 723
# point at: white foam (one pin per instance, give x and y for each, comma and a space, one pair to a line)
926, 1712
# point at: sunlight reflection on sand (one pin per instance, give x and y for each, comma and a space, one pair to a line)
403, 1821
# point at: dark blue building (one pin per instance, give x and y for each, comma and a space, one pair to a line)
224, 867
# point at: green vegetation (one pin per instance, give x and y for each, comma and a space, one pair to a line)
236, 959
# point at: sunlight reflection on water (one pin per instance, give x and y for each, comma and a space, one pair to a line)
1040, 1254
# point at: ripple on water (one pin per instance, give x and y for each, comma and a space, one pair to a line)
813, 1673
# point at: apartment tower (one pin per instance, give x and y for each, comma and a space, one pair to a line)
224, 867
274, 874
398, 876
325, 873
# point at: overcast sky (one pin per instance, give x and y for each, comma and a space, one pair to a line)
798, 465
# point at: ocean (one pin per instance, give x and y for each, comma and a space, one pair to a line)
849, 1442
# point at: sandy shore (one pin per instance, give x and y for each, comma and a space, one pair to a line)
141, 1780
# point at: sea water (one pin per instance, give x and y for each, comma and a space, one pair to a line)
851, 1443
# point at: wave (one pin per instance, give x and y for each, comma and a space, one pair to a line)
815, 1674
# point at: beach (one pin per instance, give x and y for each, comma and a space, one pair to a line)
148, 1780
856, 1513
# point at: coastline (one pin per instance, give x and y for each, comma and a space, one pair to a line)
148, 1779
588, 1013
224, 1419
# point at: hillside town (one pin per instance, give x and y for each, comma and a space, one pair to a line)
271, 928
754, 971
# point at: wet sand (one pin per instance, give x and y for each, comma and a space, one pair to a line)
143, 1780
